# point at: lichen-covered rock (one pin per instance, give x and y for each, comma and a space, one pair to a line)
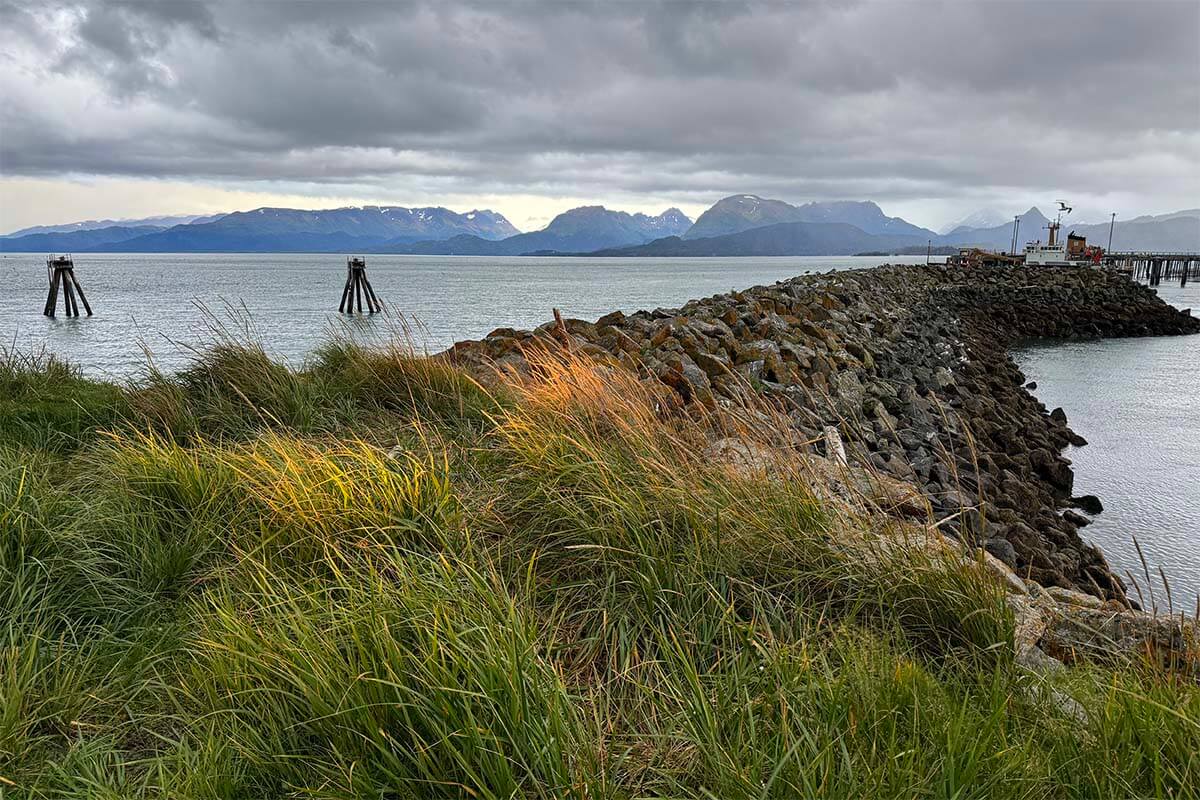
1055, 626
1110, 633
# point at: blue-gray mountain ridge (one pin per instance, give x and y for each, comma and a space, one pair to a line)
158, 223
747, 225
388, 229
285, 230
738, 225
742, 212
579, 230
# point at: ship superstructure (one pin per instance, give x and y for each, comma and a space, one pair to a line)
1074, 252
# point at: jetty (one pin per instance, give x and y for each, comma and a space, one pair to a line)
909, 364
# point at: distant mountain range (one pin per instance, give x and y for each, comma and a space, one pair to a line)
752, 226
741, 212
94, 224
277, 230
780, 239
742, 224
579, 230
999, 237
77, 241
983, 218
1175, 232
369, 229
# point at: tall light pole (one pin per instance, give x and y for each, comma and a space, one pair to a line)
1016, 227
1111, 223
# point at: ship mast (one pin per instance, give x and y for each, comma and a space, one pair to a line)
1054, 226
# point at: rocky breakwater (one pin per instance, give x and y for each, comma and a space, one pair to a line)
910, 365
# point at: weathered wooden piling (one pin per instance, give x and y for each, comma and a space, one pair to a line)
60, 272
357, 287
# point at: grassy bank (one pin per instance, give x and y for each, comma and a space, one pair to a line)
373, 577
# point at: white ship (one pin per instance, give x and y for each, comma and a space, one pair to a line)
1074, 252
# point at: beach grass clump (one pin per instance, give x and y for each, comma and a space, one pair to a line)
417, 675
850, 713
46, 404
375, 577
80, 641
395, 378
36, 536
196, 505
234, 389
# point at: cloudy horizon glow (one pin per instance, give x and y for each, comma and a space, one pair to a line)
933, 110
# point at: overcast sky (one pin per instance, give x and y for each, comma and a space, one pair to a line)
933, 110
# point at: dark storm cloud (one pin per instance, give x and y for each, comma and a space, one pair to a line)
121, 41
880, 99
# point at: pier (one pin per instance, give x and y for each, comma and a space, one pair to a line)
1154, 268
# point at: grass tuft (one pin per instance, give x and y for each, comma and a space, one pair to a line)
46, 404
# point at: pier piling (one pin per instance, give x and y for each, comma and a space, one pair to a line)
60, 273
357, 287
1154, 268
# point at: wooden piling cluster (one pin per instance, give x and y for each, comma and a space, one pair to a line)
60, 275
1154, 268
357, 286
60, 272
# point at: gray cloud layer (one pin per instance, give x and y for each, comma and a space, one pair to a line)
889, 100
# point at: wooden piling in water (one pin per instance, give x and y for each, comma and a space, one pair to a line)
356, 288
345, 291
60, 273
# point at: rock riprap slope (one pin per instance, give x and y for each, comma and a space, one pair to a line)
910, 365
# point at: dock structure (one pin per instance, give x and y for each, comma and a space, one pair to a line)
60, 272
1154, 268
357, 287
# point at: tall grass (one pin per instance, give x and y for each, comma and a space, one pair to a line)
604, 486
394, 377
230, 390
374, 577
46, 404
423, 677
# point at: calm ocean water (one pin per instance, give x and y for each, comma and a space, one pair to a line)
292, 299
1135, 400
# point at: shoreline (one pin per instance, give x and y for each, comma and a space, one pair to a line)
911, 365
